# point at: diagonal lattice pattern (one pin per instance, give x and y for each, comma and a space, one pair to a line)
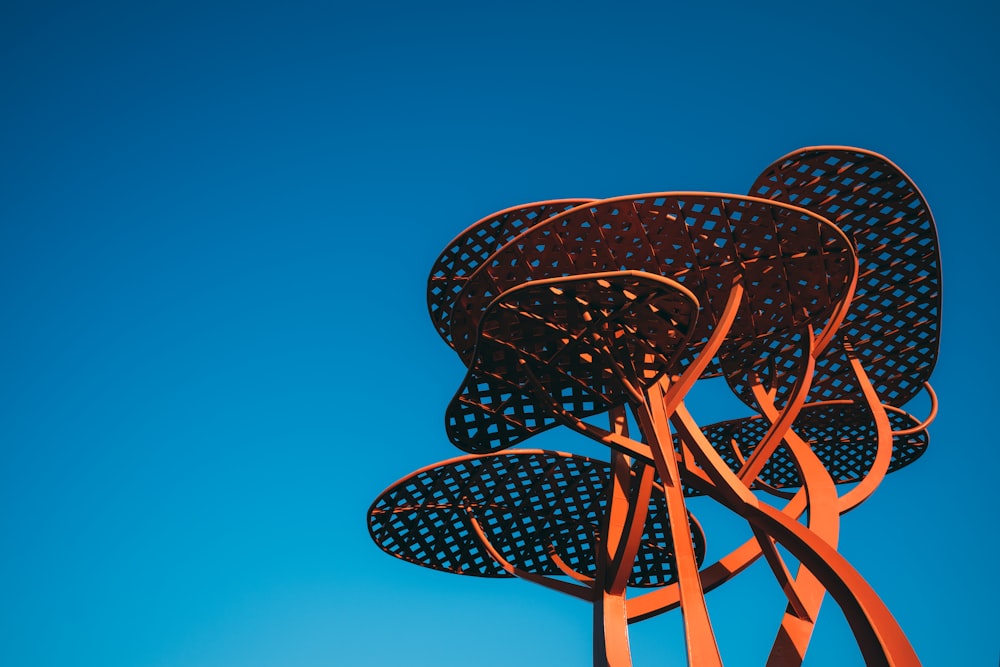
566, 344
529, 504
842, 435
472, 247
894, 320
795, 268
794, 265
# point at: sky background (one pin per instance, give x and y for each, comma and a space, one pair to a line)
216, 224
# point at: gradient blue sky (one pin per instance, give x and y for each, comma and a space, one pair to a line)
216, 222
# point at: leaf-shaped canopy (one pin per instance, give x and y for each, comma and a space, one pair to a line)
894, 321
470, 249
843, 436
567, 344
530, 504
796, 266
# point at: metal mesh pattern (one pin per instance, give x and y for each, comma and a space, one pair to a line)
528, 504
842, 436
566, 343
894, 320
472, 247
795, 266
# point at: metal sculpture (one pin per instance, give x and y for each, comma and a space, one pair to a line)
817, 297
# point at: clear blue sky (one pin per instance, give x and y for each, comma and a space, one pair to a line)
216, 222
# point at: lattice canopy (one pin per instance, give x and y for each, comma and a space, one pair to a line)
795, 266
467, 252
795, 269
895, 316
567, 344
530, 504
843, 435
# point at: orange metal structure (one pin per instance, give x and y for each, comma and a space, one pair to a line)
817, 297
